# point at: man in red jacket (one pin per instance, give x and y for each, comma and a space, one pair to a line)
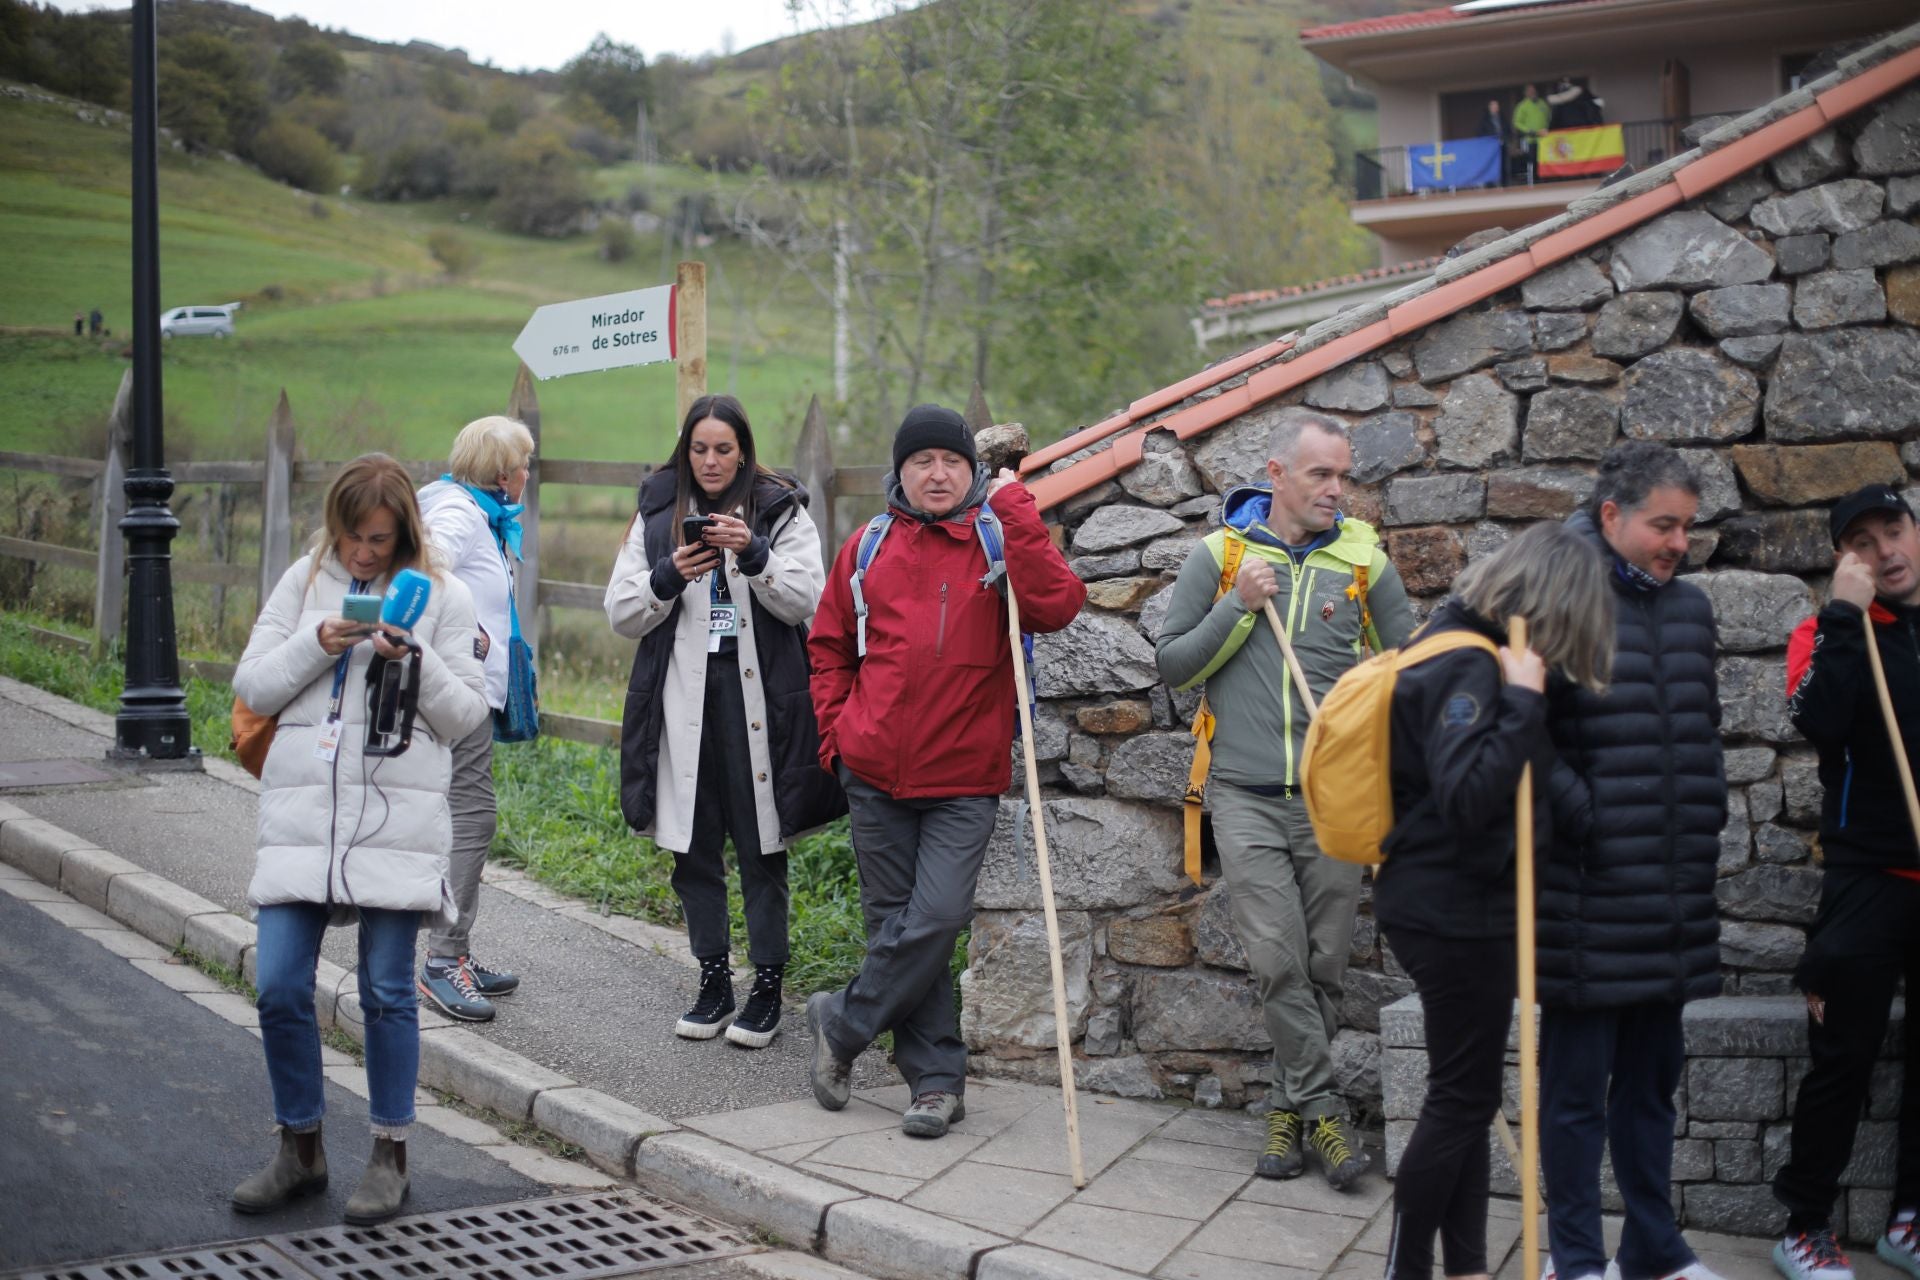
913, 689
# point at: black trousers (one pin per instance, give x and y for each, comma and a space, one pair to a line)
1607, 1079
724, 806
1865, 938
1466, 991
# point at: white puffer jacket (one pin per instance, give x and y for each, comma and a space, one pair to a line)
361, 831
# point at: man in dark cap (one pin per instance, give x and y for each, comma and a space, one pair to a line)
1863, 940
913, 689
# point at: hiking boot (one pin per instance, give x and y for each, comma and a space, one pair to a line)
382, 1187
713, 1007
932, 1113
831, 1077
1812, 1255
1283, 1157
285, 1177
492, 982
757, 1023
1900, 1246
1330, 1140
447, 984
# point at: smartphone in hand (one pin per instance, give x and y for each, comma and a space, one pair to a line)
362, 609
692, 527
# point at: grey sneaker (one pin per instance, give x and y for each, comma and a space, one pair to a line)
932, 1113
832, 1078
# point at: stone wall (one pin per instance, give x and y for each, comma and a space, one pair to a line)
1767, 329
1746, 1056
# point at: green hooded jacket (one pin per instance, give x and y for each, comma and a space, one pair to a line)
1260, 726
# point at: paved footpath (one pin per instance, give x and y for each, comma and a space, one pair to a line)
586, 1051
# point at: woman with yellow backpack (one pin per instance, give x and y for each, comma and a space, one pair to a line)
1463, 724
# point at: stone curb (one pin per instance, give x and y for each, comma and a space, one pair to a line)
889, 1239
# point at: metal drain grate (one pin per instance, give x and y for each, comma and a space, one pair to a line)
243, 1260
580, 1237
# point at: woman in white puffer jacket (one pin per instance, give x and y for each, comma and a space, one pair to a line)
346, 837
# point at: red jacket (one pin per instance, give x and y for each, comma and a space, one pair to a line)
929, 711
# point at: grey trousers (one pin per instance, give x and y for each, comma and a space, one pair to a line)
470, 798
918, 862
1293, 908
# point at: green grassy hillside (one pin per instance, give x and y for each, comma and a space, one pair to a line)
346, 309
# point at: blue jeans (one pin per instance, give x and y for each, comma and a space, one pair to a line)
1607, 1078
288, 952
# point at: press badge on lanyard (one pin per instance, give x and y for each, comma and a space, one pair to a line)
723, 616
328, 747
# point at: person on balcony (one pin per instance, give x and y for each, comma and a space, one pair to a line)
1531, 116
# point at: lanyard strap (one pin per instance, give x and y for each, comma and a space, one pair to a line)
340, 667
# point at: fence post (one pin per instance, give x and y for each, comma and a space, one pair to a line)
813, 464
276, 500
524, 405
690, 306
110, 572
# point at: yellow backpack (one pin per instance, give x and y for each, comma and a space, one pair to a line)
1346, 769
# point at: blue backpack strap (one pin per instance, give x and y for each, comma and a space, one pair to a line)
869, 544
993, 542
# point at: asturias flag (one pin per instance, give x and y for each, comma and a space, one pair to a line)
1443, 166
1569, 153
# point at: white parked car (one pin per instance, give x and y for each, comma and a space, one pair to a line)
188, 321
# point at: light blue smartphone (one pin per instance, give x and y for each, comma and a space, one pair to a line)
357, 608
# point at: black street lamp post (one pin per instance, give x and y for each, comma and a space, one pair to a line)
152, 723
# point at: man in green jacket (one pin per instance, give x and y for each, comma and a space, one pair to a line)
1285, 544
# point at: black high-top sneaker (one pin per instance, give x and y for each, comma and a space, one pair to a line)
757, 1023
713, 1009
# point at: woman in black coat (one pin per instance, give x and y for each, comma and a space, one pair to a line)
1464, 724
717, 578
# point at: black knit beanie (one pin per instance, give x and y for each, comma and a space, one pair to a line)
929, 426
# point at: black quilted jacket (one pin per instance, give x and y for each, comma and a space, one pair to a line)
1626, 905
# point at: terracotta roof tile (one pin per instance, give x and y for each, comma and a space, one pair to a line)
1254, 297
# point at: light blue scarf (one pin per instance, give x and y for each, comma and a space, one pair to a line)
502, 517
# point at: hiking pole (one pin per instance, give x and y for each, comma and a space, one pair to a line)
1529, 1169
1061, 1033
1293, 663
1893, 727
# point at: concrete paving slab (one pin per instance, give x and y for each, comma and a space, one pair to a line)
74, 915
874, 1184
125, 943
785, 1123
24, 887
1116, 1237
1194, 1155
1031, 1262
1218, 1129
994, 1197
459, 1125
178, 975
1191, 1264
1262, 1233
897, 1242
1310, 1191
1040, 1141
794, 1153
892, 1152
1149, 1186
234, 1008
730, 1184
555, 1172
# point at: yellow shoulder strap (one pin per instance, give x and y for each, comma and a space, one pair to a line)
1446, 642
1232, 550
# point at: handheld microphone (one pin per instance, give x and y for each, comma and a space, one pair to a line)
406, 599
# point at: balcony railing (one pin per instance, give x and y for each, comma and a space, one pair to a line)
1384, 172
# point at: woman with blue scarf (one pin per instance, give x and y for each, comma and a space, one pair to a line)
472, 515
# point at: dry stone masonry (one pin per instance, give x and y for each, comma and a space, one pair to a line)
1769, 330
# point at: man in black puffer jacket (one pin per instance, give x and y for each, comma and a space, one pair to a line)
1628, 928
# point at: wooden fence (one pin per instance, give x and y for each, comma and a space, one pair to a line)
281, 471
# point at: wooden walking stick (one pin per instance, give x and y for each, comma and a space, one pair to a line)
1293, 663
1529, 1169
1061, 1034
1893, 726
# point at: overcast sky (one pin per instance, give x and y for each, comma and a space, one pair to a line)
520, 36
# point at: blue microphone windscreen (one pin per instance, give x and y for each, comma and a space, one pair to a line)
406, 599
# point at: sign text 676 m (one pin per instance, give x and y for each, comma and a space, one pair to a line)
608, 332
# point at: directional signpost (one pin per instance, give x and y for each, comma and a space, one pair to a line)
615, 330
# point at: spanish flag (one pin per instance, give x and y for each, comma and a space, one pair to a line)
1570, 153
